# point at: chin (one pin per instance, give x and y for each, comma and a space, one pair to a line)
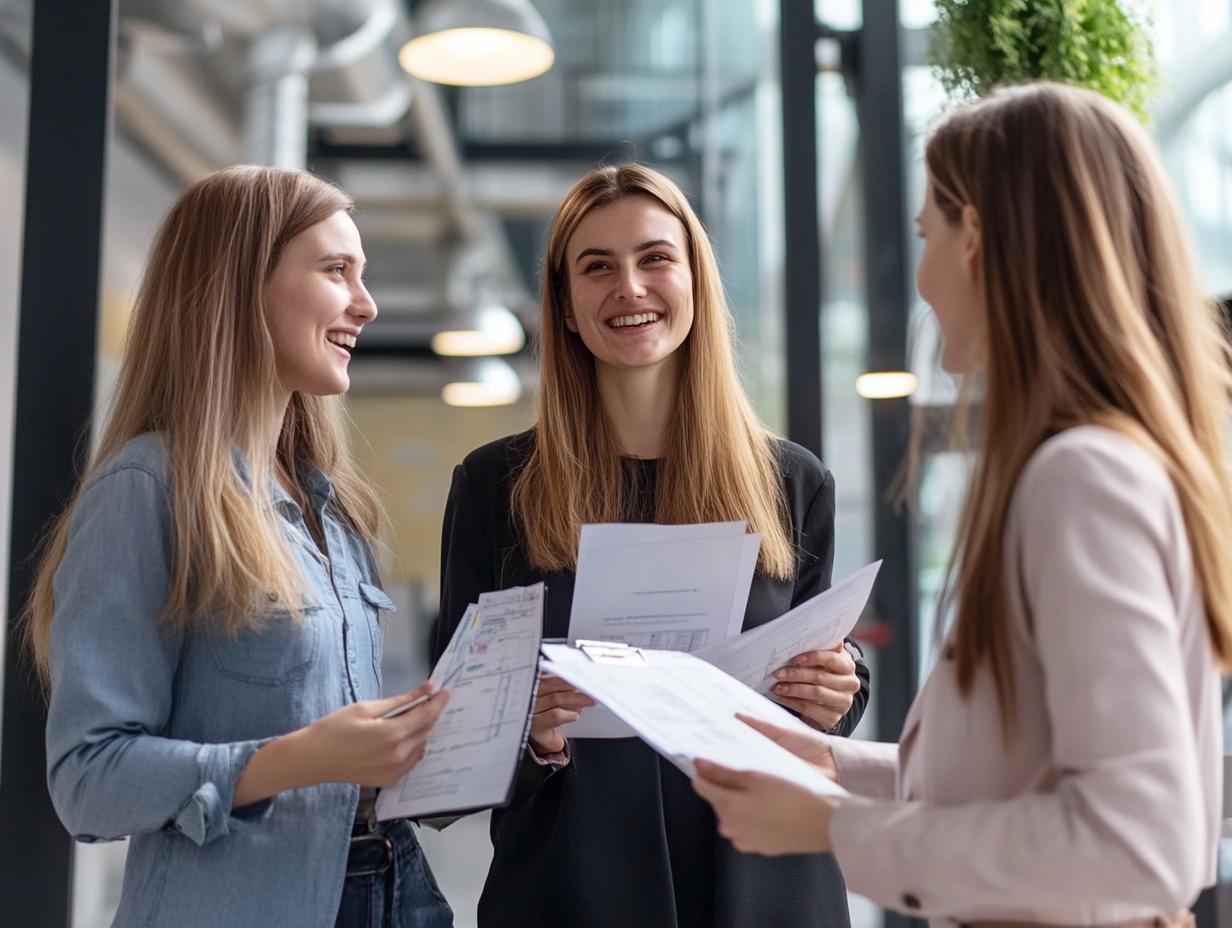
332, 387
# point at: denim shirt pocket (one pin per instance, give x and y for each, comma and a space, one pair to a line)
278, 650
375, 599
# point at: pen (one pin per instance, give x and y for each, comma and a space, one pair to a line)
408, 706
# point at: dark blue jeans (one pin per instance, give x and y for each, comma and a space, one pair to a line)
389, 884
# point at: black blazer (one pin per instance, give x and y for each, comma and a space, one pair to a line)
617, 838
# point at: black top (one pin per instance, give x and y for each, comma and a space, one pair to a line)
617, 838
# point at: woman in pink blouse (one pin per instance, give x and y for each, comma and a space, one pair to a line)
1061, 764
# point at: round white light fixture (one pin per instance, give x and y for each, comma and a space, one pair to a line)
478, 43
885, 385
482, 382
489, 330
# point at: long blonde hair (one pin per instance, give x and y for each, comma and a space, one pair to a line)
198, 368
721, 463
1094, 315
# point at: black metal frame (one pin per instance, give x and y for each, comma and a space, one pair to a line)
70, 115
802, 284
872, 65
888, 292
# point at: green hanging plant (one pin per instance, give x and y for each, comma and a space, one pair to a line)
1098, 44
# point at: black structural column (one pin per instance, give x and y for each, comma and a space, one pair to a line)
70, 87
802, 242
883, 164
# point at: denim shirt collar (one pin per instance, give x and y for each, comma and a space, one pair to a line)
316, 484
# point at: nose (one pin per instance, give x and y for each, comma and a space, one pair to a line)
363, 307
630, 285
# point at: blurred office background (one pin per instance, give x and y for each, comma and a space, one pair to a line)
794, 127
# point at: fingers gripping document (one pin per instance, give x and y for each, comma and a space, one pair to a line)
686, 709
816, 624
491, 671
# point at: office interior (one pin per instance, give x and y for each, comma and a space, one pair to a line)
795, 128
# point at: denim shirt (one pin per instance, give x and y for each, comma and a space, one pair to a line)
150, 727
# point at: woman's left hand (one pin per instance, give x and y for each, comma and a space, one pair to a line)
820, 685
761, 814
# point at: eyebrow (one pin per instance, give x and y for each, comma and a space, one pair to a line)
341, 256
607, 252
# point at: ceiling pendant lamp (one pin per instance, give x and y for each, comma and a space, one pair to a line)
489, 329
481, 382
478, 43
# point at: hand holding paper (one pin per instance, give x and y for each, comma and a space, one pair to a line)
489, 670
820, 685
557, 704
817, 624
686, 709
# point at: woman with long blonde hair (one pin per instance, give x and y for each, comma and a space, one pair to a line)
207, 612
1061, 765
641, 418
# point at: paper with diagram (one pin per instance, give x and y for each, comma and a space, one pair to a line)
816, 624
672, 587
685, 708
491, 671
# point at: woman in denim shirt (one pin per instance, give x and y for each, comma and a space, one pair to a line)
207, 612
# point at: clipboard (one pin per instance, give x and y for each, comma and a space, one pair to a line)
485, 728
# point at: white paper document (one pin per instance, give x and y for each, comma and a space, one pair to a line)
490, 670
686, 709
596, 721
816, 624
671, 587
451, 662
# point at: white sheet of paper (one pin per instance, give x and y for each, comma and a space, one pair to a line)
685, 708
623, 533
595, 721
453, 659
473, 752
815, 624
670, 587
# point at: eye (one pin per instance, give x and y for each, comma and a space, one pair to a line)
597, 266
655, 259
338, 269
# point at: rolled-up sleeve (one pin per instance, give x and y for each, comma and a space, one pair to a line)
110, 769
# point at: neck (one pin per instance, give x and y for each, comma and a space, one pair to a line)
639, 405
271, 431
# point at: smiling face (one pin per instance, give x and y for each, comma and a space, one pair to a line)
948, 280
630, 284
316, 304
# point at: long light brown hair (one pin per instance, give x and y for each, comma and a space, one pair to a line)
198, 369
1093, 315
720, 464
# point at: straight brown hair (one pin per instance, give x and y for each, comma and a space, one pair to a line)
198, 368
1094, 315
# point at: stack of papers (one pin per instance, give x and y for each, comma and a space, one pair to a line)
752, 658
491, 671
686, 709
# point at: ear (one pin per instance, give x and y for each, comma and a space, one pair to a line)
971, 241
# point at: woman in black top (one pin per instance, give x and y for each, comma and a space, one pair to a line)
641, 418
